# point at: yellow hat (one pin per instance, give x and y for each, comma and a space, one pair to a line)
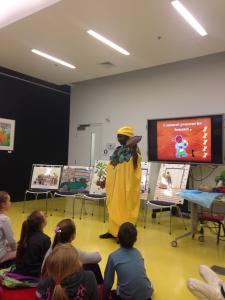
126, 130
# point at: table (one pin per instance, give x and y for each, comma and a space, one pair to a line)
197, 198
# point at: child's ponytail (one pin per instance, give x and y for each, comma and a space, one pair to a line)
59, 293
61, 263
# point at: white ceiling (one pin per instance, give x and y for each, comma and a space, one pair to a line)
135, 25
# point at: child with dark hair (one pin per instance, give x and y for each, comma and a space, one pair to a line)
65, 277
7, 240
65, 232
32, 246
127, 262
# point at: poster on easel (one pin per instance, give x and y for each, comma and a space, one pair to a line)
145, 173
171, 180
75, 179
98, 177
45, 177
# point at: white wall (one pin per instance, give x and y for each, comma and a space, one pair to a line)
192, 87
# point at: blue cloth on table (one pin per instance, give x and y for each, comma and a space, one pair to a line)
201, 198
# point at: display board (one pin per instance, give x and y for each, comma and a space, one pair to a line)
75, 179
171, 180
45, 177
145, 173
98, 177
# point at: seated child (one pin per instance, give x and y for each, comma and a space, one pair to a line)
128, 264
32, 246
65, 277
212, 289
65, 232
7, 240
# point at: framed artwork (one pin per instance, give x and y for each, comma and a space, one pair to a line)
45, 177
7, 132
171, 180
145, 173
75, 179
98, 177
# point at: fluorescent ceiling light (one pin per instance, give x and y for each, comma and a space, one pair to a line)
59, 61
14, 10
107, 42
188, 17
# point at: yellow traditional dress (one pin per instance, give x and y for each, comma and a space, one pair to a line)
123, 193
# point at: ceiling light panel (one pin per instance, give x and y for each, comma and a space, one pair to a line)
55, 59
189, 17
107, 42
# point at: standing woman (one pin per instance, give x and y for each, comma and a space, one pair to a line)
123, 182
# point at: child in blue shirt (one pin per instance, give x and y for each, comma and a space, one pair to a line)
128, 263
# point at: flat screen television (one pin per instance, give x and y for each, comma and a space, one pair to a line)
189, 139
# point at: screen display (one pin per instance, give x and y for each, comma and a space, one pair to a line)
190, 139
185, 140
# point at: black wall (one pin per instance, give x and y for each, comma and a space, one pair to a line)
41, 111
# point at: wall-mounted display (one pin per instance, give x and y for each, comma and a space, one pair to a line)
7, 132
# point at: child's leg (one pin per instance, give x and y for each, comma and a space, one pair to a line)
96, 270
204, 291
209, 276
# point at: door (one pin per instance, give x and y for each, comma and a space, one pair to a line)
88, 142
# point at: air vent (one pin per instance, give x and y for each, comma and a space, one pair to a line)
106, 64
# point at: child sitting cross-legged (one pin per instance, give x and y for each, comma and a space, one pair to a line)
65, 278
128, 263
65, 232
7, 240
32, 246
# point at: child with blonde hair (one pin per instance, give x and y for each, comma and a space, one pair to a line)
66, 280
65, 232
7, 240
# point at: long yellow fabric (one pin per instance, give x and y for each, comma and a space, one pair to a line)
123, 194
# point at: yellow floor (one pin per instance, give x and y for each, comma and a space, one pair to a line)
167, 267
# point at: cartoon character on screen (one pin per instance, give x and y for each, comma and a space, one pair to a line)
180, 146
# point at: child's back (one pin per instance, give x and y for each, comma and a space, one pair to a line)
128, 264
133, 282
65, 277
33, 245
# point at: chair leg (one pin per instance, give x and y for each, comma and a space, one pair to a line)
46, 203
160, 212
218, 233
82, 205
170, 220
24, 202
145, 214
73, 206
